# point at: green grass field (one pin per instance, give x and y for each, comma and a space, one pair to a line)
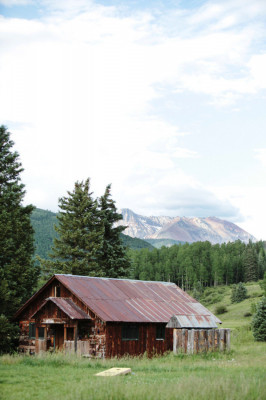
238, 374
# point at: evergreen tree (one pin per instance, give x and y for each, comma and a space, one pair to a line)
113, 258
239, 293
79, 243
17, 272
250, 262
263, 284
259, 321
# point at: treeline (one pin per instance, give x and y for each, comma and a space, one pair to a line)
202, 263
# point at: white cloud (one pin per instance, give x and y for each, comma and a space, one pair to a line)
81, 80
251, 203
261, 156
10, 3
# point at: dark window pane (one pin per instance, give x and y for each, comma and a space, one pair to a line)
32, 331
57, 291
160, 331
130, 332
70, 333
41, 333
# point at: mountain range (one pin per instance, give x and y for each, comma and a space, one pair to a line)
182, 229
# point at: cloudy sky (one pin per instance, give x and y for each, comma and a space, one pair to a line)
166, 100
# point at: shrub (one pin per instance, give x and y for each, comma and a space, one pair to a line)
220, 309
239, 293
253, 307
259, 322
247, 314
263, 284
9, 334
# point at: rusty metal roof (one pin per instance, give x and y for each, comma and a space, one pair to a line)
67, 306
132, 300
192, 321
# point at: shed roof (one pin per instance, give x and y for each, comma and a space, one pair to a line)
124, 300
67, 306
192, 321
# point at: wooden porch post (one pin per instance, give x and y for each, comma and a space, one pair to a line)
174, 341
76, 336
36, 339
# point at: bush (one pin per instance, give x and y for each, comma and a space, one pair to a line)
9, 334
220, 309
253, 307
263, 284
239, 293
247, 314
259, 322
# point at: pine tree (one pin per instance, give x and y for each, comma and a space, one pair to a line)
80, 234
250, 262
113, 258
259, 321
239, 293
17, 272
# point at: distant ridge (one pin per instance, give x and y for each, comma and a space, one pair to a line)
182, 229
43, 222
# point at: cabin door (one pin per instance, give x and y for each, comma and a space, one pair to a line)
59, 336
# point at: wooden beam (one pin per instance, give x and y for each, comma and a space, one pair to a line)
76, 336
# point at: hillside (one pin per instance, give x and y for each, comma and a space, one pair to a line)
43, 222
238, 315
183, 229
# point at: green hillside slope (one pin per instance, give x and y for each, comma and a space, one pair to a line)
238, 315
43, 222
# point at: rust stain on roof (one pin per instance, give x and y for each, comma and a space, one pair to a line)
192, 321
123, 300
67, 306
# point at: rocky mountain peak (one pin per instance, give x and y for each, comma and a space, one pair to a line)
183, 229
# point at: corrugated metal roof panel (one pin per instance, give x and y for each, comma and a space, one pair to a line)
124, 300
192, 321
67, 306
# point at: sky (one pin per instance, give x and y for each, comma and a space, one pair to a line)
165, 100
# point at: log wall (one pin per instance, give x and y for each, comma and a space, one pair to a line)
200, 340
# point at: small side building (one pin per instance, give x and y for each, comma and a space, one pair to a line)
104, 317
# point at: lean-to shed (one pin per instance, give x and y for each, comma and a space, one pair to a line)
106, 317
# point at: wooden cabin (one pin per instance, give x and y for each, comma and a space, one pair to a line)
104, 317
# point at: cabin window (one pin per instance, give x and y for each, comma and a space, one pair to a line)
57, 291
160, 332
130, 332
32, 331
41, 332
70, 333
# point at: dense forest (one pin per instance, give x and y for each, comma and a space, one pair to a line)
201, 263
188, 265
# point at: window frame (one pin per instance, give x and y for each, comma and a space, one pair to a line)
57, 290
130, 332
32, 330
160, 331
39, 336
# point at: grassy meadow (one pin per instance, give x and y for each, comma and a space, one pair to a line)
237, 374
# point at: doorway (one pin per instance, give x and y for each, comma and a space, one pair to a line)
55, 337
59, 336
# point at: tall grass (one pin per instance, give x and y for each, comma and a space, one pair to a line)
234, 375
238, 374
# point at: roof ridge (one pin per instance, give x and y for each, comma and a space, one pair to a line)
115, 279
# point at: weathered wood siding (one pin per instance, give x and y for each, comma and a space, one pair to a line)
28, 345
200, 340
147, 342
